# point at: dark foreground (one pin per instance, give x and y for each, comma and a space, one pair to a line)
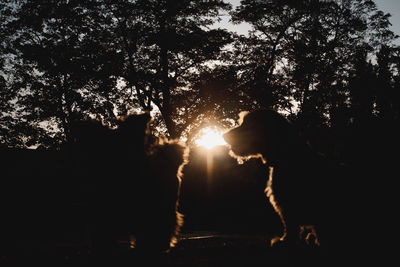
194, 249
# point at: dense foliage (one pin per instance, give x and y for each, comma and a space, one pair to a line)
324, 63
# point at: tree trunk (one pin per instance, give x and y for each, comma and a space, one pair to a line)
166, 110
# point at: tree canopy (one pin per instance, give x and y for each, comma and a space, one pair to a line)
324, 63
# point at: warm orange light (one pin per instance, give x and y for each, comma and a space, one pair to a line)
209, 138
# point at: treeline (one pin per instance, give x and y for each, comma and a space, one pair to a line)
323, 63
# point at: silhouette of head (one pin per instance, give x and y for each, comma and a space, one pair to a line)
262, 132
99, 143
132, 132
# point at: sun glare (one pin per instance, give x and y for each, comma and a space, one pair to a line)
209, 138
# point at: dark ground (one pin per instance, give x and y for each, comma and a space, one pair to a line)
194, 249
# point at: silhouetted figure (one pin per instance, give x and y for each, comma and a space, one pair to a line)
304, 187
136, 180
346, 208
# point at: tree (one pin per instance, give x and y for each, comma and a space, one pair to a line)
68, 60
103, 59
165, 46
14, 129
385, 93
215, 100
362, 86
59, 71
259, 54
310, 46
396, 84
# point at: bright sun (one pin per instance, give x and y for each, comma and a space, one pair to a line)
209, 138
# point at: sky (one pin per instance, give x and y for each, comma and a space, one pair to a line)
387, 6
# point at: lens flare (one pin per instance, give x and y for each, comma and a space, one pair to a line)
210, 138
